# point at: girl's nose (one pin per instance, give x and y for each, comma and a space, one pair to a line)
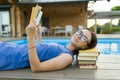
79, 35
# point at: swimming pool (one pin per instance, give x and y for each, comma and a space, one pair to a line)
109, 45
105, 45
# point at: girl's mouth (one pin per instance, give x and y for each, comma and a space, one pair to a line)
76, 38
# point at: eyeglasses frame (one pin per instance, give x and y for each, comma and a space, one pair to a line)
79, 31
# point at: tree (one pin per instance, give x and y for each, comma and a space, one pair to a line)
116, 8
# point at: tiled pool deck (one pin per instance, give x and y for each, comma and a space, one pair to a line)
108, 69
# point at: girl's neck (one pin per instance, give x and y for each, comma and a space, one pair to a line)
71, 47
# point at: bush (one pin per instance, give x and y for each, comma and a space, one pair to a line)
107, 28
98, 28
116, 29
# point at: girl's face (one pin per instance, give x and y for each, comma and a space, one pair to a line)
81, 38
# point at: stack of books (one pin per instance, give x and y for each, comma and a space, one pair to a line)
87, 58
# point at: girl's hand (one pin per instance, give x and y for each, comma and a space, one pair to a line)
39, 33
31, 30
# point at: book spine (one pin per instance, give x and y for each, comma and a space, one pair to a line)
88, 54
86, 62
87, 66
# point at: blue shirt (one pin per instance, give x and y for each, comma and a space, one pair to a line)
13, 56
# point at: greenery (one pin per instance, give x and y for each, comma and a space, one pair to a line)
116, 29
107, 28
98, 28
115, 8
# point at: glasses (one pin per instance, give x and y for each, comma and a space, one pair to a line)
82, 36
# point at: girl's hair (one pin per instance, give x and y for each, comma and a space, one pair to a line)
92, 43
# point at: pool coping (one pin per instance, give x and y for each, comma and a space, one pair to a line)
108, 35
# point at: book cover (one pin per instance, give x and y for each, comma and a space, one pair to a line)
89, 54
87, 66
89, 50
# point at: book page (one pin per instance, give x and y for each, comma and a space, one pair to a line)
38, 18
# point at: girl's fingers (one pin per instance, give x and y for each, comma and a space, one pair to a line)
33, 23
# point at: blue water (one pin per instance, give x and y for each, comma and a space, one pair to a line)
105, 45
109, 45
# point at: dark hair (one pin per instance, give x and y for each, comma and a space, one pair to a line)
92, 43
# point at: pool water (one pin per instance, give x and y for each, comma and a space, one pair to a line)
109, 45
105, 45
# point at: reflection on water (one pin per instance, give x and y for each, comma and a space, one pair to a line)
114, 47
109, 46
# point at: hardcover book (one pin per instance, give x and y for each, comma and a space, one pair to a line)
87, 66
89, 52
88, 58
86, 62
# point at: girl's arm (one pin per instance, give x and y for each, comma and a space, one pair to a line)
56, 63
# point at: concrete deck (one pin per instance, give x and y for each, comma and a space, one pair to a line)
108, 69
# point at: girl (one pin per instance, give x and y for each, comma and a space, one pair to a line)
44, 56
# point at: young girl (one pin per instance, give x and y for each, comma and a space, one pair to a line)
44, 56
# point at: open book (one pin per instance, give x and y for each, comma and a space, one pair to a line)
37, 14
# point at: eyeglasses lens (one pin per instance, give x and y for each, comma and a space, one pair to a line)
83, 37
